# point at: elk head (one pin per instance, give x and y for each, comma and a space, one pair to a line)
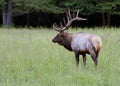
60, 37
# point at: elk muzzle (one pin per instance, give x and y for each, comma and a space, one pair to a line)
53, 40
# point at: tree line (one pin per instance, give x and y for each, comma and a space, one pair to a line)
11, 8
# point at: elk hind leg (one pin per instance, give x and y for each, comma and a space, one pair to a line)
94, 57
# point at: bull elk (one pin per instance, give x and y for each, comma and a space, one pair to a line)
80, 43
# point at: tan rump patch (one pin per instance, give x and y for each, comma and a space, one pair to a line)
97, 43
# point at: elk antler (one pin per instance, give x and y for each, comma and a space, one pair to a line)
69, 21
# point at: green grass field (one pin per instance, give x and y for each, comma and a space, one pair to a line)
29, 58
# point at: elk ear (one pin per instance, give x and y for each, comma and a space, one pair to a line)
62, 33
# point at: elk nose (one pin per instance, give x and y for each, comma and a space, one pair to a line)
53, 40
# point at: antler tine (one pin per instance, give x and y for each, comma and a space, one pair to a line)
69, 14
64, 21
61, 24
77, 13
68, 22
55, 27
70, 19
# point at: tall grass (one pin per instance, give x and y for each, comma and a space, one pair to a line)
29, 58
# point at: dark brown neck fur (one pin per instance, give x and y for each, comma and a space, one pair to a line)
67, 41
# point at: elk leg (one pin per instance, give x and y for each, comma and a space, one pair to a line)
97, 54
94, 57
77, 58
84, 59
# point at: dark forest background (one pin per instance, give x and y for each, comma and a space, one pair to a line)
45, 12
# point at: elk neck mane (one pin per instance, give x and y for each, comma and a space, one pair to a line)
67, 41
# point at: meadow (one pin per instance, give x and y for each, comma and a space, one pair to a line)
29, 58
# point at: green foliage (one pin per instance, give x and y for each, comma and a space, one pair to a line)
116, 7
25, 6
110, 6
1, 2
59, 6
86, 7
29, 58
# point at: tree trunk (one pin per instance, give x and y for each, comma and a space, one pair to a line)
9, 13
4, 14
108, 20
103, 19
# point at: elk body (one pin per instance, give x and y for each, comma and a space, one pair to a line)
80, 43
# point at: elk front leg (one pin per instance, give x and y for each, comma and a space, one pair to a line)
84, 59
77, 58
